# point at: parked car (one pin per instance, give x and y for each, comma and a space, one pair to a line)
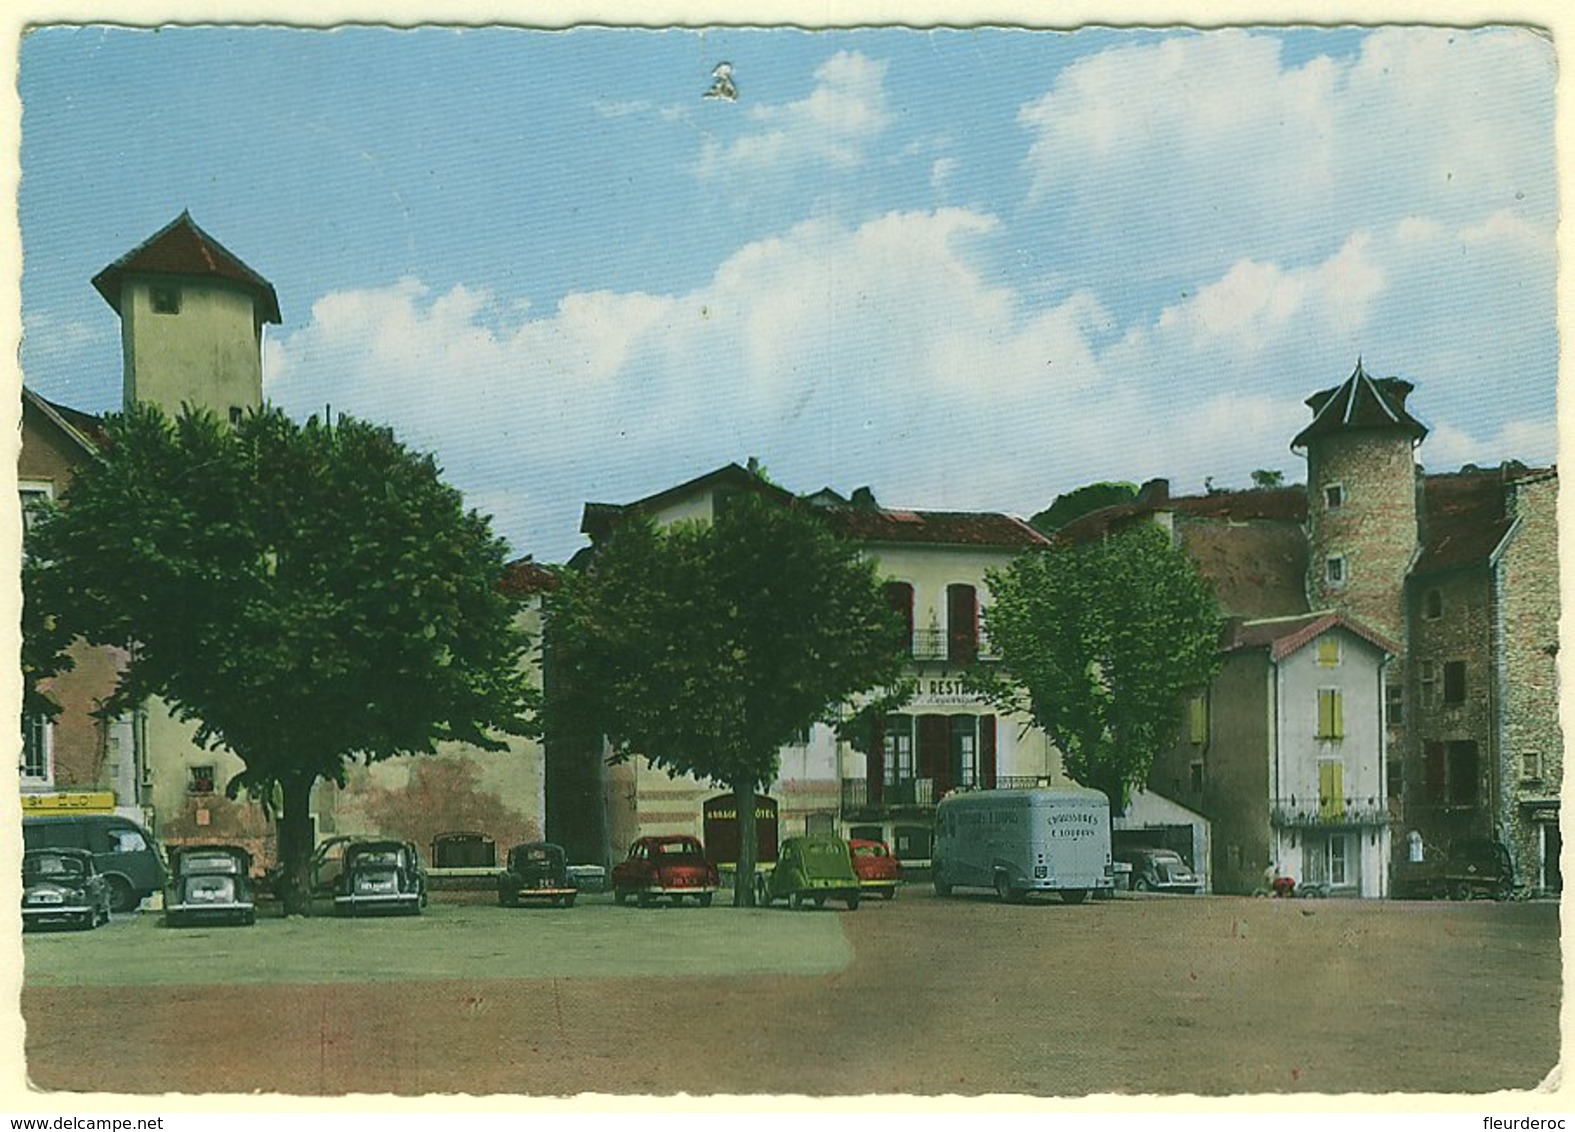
536, 871
1478, 866
63, 886
674, 866
124, 853
816, 868
878, 871
588, 878
1473, 866
1159, 870
381, 876
210, 884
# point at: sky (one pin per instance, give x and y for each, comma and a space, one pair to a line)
971, 269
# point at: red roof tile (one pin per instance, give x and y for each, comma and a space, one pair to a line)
945, 528
1284, 635
182, 248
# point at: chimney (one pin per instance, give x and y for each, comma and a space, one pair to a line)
864, 497
1154, 493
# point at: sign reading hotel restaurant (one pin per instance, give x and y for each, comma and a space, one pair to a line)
74, 802
946, 689
721, 828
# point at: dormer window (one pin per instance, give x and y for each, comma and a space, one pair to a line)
1334, 496
165, 299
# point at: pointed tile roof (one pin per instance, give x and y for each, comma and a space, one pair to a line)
1284, 635
1361, 402
182, 248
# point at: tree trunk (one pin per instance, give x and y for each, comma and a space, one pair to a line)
295, 846
744, 885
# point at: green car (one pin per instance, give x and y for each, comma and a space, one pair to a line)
817, 868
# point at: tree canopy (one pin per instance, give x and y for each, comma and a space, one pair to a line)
305, 594
1075, 504
1099, 642
705, 647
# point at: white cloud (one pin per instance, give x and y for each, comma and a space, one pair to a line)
831, 125
1200, 150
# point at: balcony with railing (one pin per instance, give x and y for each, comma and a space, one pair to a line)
936, 644
920, 792
1312, 811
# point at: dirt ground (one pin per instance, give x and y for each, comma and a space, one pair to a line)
1168, 995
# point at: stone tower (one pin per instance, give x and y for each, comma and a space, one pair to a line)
1362, 482
191, 319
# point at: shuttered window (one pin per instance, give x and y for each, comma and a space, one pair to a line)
1331, 714
1331, 788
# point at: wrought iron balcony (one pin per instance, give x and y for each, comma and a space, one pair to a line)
1354, 812
935, 644
921, 791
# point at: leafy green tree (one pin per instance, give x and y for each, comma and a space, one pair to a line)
1075, 504
307, 595
1099, 641
707, 647
1264, 478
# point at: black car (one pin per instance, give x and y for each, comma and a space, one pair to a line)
536, 871
63, 886
210, 884
381, 876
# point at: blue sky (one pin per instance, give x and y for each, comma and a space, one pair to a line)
971, 269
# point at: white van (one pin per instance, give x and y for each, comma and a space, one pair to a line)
1022, 841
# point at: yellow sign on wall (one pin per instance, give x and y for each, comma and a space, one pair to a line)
74, 802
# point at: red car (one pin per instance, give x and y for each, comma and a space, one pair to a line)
877, 869
665, 866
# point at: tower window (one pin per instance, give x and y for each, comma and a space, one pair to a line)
166, 300
1334, 496
1334, 571
1433, 605
1455, 682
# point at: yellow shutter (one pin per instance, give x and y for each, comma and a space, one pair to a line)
1329, 650
1198, 720
1331, 714
1331, 789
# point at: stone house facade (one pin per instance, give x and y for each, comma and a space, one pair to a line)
1458, 570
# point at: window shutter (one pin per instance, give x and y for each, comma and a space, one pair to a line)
987, 751
962, 624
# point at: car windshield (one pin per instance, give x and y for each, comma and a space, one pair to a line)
209, 863
678, 849
377, 858
52, 866
870, 850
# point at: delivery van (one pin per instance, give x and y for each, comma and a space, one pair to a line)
1048, 839
124, 852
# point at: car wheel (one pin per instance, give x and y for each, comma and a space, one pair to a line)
1142, 884
121, 896
646, 899
795, 900
678, 898
762, 892
853, 903
1004, 889
1461, 891
568, 901
620, 896
705, 900
942, 888
820, 899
